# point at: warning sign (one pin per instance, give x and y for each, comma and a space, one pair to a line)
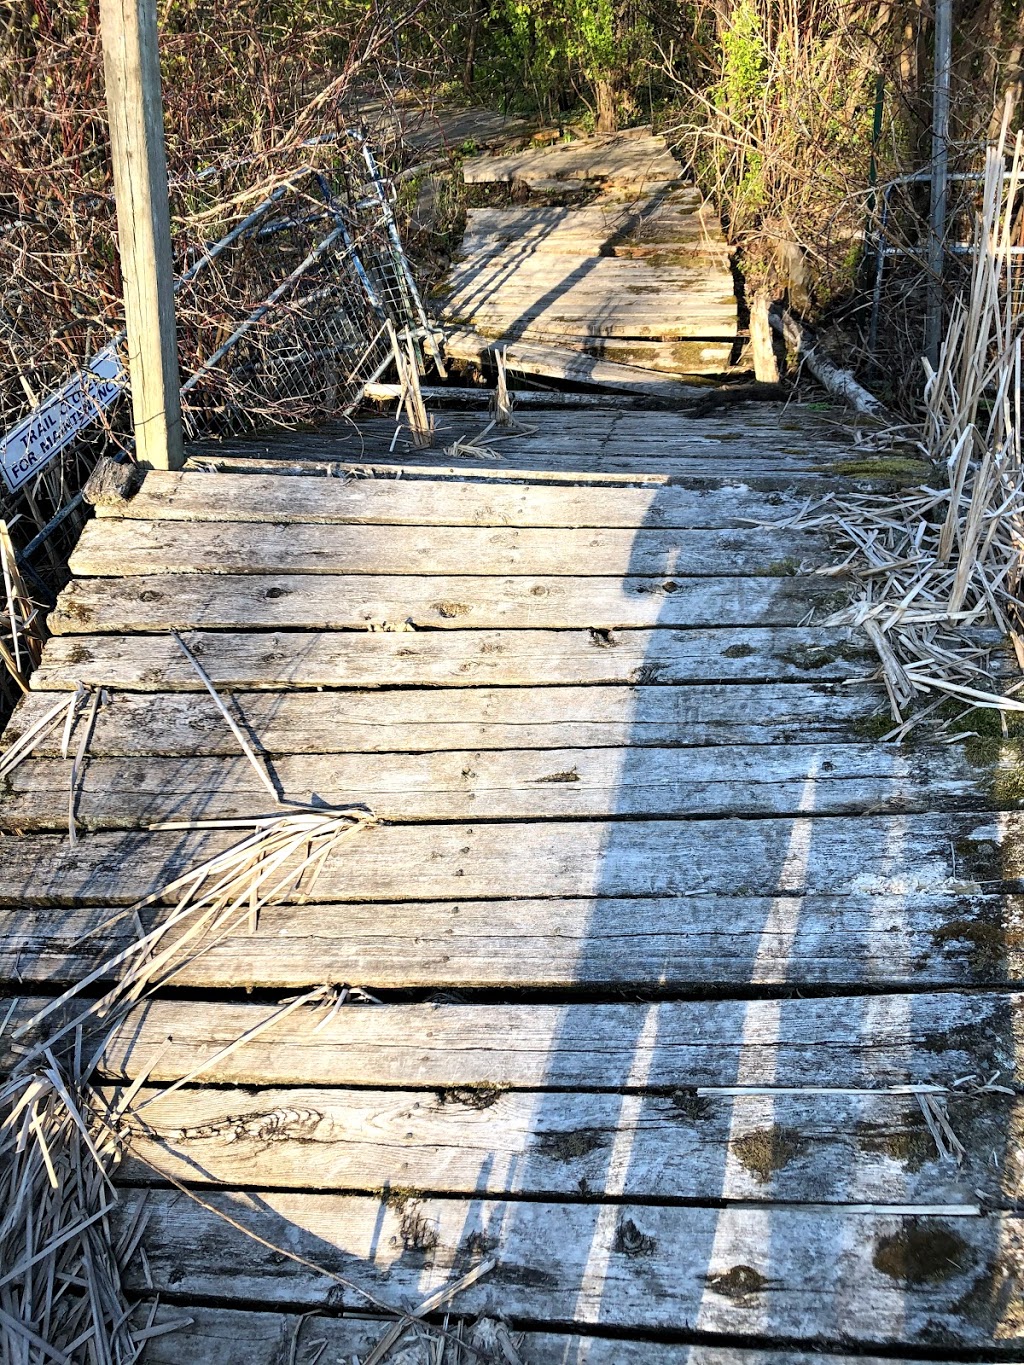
32, 444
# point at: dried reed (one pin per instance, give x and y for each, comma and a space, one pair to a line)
939, 568
22, 618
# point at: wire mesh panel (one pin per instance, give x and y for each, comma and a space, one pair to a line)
281, 322
285, 325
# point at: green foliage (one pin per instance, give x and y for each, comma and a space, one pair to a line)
741, 88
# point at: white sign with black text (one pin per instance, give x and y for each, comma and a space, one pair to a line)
32, 444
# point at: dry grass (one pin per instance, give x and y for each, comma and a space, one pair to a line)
939, 568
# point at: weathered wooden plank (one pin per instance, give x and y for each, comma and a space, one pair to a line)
605, 227
678, 358
616, 160
664, 438
481, 399
586, 295
860, 1041
537, 316
125, 547
508, 784
869, 855
662, 290
528, 658
436, 466
550, 230
225, 1336
553, 363
758, 1273
271, 497
669, 942
323, 601
796, 1149
187, 724
645, 289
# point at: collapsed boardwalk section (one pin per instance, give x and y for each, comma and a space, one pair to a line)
697, 1014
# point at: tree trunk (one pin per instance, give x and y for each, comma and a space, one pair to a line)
607, 111
469, 67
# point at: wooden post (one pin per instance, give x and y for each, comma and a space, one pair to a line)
940, 176
132, 68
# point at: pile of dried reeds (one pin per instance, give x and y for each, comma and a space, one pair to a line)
62, 1253
61, 1296
939, 568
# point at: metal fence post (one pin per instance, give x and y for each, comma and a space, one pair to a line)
940, 172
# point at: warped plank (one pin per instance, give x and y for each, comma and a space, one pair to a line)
777, 1273
527, 658
121, 548
177, 496
860, 1041
794, 1149
552, 363
324, 601
694, 941
226, 1336
507, 784
760, 426
408, 463
479, 399
170, 723
871, 855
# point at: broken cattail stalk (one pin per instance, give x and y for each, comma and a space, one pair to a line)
502, 403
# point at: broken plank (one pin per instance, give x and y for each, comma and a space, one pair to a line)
796, 1149
124, 547
151, 602
188, 724
505, 784
663, 943
226, 1336
762, 1273
519, 658
177, 496
876, 855
551, 363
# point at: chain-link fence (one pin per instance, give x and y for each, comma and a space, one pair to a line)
281, 323
896, 260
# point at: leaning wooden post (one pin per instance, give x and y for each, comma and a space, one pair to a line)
132, 67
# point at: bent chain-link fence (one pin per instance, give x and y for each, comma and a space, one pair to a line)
281, 323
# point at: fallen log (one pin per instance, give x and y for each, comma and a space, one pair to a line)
839, 382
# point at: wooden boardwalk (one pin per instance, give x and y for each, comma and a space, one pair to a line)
665, 964
634, 268
661, 935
